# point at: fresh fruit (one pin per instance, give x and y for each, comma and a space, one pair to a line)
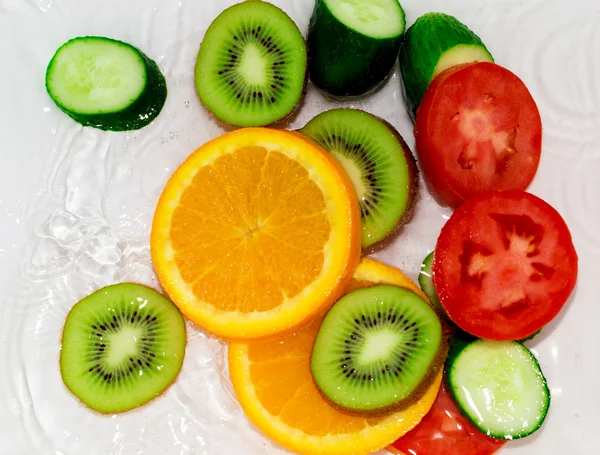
434, 43
106, 84
371, 272
353, 45
255, 233
504, 265
378, 350
500, 387
273, 382
122, 346
380, 165
478, 129
445, 431
426, 283
251, 67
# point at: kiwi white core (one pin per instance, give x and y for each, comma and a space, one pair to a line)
253, 66
374, 18
379, 346
123, 344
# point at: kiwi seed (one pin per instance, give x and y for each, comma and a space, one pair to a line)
379, 163
251, 67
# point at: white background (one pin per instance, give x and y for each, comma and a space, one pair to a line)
76, 205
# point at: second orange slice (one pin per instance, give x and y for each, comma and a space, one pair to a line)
273, 382
257, 231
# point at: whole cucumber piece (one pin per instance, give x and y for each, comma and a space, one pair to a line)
434, 43
353, 45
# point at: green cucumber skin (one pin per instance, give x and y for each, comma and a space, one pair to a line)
137, 115
531, 337
458, 344
424, 43
343, 63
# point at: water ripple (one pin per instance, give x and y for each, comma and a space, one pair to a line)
89, 223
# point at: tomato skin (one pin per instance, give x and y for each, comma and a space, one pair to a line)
505, 265
445, 431
504, 155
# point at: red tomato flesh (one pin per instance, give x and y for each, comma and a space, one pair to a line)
478, 129
444, 431
504, 265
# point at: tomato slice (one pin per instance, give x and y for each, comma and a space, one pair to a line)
504, 265
478, 128
444, 431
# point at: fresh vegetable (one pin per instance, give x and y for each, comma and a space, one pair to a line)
379, 163
500, 387
426, 283
504, 265
273, 382
251, 67
255, 233
445, 431
478, 129
122, 346
434, 43
353, 45
378, 350
106, 84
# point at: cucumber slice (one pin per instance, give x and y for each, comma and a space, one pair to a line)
434, 43
427, 286
353, 45
500, 387
106, 84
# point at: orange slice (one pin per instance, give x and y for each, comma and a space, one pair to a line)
257, 231
274, 385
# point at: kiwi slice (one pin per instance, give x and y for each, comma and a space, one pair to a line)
378, 350
380, 164
251, 67
121, 346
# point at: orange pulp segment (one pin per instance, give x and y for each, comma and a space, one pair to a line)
257, 231
273, 382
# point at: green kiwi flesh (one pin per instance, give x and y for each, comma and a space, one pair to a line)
379, 163
378, 350
251, 67
122, 346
